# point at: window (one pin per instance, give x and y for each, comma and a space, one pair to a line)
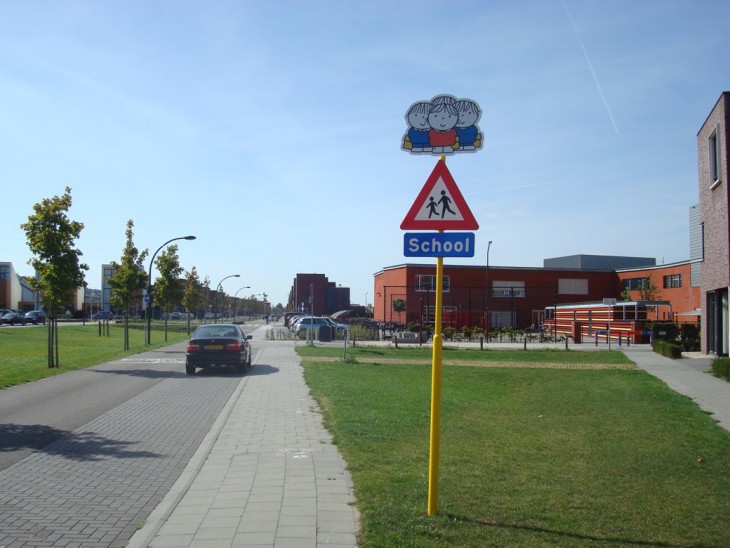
567, 286
672, 280
4, 272
508, 289
714, 150
636, 284
427, 282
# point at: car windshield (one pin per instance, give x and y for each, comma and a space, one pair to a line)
212, 331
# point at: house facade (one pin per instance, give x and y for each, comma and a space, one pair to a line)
714, 227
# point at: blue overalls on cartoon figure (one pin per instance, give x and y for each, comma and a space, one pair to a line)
418, 131
466, 127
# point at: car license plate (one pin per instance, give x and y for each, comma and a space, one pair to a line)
214, 347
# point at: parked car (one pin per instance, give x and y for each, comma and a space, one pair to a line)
13, 318
103, 315
307, 322
218, 344
290, 316
36, 316
175, 316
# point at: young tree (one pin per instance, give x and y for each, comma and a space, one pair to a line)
649, 290
51, 238
169, 286
193, 295
128, 277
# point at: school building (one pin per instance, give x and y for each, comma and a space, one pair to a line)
500, 296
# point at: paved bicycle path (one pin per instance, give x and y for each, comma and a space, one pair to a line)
267, 474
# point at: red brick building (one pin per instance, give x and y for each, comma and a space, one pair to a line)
518, 296
315, 290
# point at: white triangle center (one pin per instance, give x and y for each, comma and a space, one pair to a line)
439, 205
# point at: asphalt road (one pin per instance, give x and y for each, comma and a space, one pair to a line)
36, 414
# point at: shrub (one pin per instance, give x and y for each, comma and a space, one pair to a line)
667, 349
667, 331
690, 337
721, 368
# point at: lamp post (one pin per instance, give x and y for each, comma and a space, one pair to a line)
486, 315
148, 308
234, 300
215, 310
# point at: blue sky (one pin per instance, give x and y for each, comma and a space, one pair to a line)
271, 130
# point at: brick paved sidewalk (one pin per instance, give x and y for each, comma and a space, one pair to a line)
266, 475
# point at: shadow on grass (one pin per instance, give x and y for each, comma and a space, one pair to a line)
565, 534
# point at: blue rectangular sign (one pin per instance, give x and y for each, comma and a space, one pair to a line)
438, 244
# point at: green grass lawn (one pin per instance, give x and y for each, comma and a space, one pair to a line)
529, 457
23, 351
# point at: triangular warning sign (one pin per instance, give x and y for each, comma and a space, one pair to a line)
439, 205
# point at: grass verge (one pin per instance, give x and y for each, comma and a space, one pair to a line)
529, 457
24, 358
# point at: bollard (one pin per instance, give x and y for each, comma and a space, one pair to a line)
481, 343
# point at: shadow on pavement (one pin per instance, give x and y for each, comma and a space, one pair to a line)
145, 373
72, 445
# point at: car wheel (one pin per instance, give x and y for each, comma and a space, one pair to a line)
250, 362
189, 369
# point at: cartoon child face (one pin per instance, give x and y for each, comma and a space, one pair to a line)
467, 117
418, 119
443, 119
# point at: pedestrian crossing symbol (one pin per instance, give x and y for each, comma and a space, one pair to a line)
440, 205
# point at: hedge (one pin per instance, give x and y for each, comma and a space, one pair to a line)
667, 349
721, 368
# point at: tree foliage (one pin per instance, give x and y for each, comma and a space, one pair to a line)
127, 278
51, 237
649, 290
129, 275
168, 291
193, 297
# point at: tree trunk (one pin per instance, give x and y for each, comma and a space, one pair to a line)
55, 335
126, 332
49, 341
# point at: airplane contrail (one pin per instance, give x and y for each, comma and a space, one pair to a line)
590, 66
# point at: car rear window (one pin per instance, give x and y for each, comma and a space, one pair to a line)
215, 331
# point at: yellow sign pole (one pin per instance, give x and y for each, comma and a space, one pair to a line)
435, 437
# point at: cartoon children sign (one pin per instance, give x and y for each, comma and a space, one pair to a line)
444, 125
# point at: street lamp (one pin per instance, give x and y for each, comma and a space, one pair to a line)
148, 308
215, 310
234, 300
486, 315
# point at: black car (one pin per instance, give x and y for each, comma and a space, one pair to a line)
218, 344
13, 318
35, 317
